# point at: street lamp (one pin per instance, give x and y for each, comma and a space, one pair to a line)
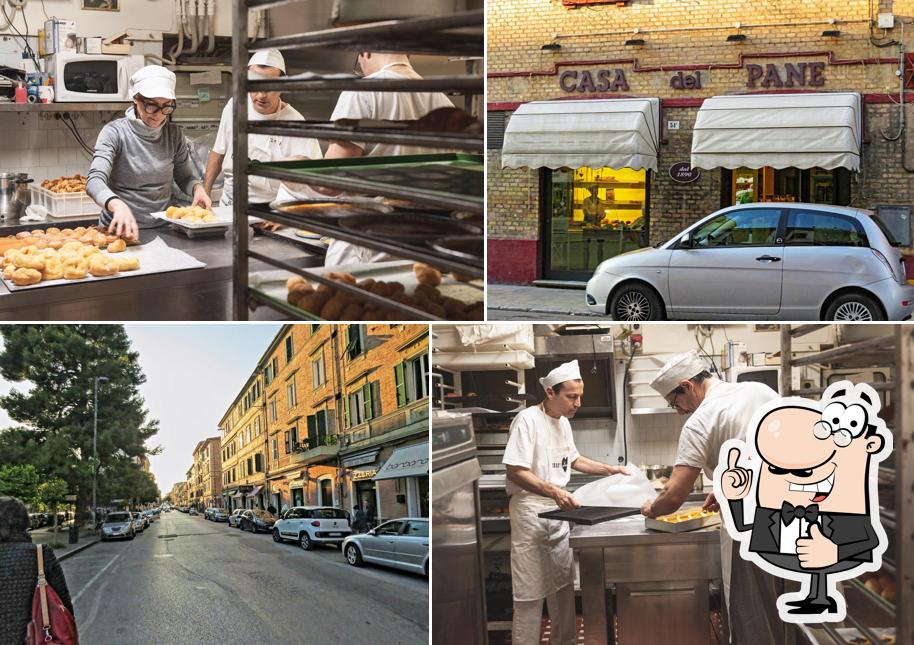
103, 379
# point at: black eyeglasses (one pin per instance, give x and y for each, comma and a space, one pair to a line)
151, 107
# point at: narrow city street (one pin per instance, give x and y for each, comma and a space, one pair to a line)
186, 580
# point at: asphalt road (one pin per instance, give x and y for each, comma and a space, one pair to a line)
186, 580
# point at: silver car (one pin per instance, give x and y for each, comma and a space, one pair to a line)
400, 543
118, 525
761, 261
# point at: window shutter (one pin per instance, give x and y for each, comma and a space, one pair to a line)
400, 378
376, 399
346, 422
495, 129
366, 401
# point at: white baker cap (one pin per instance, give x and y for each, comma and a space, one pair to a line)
679, 368
153, 82
565, 372
270, 58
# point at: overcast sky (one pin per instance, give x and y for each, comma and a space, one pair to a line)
193, 372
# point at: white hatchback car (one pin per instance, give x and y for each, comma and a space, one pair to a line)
310, 525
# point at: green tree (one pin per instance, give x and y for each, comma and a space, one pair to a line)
57, 365
52, 494
20, 482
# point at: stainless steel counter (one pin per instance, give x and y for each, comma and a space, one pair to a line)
196, 294
661, 581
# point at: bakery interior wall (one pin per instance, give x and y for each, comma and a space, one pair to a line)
43, 147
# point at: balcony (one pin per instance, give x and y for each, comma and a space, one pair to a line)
405, 422
305, 455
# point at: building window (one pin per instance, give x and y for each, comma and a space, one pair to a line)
362, 404
290, 351
275, 449
317, 429
273, 413
257, 427
250, 465
291, 438
412, 380
290, 393
356, 340
317, 371
270, 372
258, 463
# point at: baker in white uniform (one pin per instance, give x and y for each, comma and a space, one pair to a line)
717, 411
262, 106
394, 106
539, 457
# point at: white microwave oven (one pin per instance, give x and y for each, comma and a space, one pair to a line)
89, 78
770, 375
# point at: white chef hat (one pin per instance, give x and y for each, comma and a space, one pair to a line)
678, 369
565, 372
270, 58
153, 82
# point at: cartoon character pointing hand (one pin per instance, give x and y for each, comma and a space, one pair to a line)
816, 511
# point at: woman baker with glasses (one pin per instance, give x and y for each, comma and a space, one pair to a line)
138, 156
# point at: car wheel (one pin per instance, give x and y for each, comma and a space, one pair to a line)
276, 536
853, 307
353, 555
130, 537
305, 541
635, 303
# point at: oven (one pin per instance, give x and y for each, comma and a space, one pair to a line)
90, 78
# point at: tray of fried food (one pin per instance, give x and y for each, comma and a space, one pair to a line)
54, 238
881, 583
197, 217
852, 636
687, 519
73, 261
74, 184
414, 284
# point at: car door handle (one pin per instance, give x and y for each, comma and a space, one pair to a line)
767, 258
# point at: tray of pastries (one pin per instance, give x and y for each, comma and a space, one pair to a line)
195, 220
683, 520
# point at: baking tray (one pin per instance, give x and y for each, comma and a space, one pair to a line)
462, 247
224, 217
406, 225
681, 527
591, 515
450, 180
329, 208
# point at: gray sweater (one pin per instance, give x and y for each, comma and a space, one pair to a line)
137, 164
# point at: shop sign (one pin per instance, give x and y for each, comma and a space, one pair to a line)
360, 460
603, 80
359, 475
297, 483
680, 81
791, 75
683, 173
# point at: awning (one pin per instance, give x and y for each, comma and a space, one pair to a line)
237, 496
408, 461
778, 130
255, 491
610, 133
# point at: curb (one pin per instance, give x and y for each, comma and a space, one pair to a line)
548, 312
78, 549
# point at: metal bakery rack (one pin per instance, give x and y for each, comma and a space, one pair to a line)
458, 36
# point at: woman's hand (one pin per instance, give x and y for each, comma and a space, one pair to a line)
123, 223
616, 470
201, 197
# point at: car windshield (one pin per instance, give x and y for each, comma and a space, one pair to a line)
882, 227
329, 513
117, 517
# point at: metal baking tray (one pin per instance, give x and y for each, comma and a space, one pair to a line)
462, 247
681, 527
407, 225
330, 208
591, 515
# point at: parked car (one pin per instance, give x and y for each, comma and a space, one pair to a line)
401, 543
220, 515
207, 512
761, 261
119, 524
139, 522
192, 511
256, 519
149, 516
234, 518
310, 525
37, 520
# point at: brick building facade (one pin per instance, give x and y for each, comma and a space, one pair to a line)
681, 53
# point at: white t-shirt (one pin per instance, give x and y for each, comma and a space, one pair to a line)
725, 413
542, 444
394, 106
263, 147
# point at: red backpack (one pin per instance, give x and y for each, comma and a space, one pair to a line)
52, 623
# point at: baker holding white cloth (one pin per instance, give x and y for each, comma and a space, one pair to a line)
539, 457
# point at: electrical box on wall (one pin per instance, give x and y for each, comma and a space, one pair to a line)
886, 21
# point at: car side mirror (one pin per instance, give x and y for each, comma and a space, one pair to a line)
685, 241
373, 532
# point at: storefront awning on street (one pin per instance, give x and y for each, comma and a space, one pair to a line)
605, 133
408, 461
778, 130
256, 491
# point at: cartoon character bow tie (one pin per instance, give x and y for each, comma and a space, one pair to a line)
789, 512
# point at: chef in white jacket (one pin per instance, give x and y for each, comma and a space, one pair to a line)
717, 411
539, 457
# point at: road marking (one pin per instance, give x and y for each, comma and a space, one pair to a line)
96, 577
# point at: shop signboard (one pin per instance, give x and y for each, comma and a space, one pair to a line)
683, 173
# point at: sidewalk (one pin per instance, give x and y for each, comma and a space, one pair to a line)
523, 302
45, 535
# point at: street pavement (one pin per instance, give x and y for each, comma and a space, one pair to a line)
186, 580
521, 302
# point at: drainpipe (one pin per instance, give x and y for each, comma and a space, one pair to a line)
338, 359
211, 12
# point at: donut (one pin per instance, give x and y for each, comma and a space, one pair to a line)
117, 246
24, 277
76, 269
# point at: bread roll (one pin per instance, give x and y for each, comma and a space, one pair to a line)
101, 265
53, 269
8, 271
353, 311
75, 269
127, 263
24, 277
117, 246
427, 275
312, 302
334, 307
